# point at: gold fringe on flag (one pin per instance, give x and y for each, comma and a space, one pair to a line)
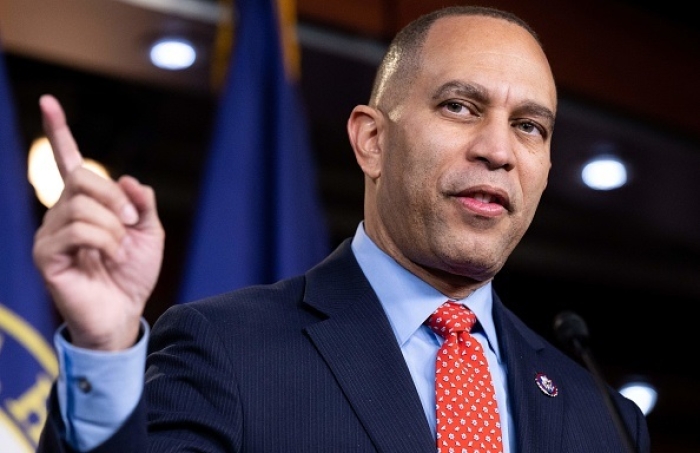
223, 43
288, 33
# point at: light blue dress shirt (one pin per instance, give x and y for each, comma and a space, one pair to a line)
408, 301
97, 391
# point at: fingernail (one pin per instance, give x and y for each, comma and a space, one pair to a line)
129, 215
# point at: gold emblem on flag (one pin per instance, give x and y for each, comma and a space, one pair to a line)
23, 401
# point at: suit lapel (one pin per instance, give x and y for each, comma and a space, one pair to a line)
538, 416
357, 343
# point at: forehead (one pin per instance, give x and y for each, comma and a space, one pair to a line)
490, 52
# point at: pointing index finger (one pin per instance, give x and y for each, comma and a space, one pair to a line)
65, 149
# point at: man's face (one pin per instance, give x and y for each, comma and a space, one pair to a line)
466, 152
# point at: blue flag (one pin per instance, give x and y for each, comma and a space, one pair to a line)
27, 362
259, 215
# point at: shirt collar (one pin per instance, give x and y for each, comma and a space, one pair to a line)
408, 300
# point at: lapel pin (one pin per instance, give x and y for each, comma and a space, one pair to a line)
546, 385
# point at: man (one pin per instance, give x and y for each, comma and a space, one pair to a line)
455, 148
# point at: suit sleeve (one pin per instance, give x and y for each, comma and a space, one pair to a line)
191, 391
189, 402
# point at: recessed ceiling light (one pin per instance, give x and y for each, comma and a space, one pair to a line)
173, 54
604, 172
642, 393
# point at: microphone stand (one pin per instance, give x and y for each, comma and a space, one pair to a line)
571, 329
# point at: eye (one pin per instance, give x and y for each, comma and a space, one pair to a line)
531, 128
457, 108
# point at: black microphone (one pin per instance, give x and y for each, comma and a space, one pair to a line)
571, 330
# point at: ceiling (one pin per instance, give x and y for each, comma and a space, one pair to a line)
628, 261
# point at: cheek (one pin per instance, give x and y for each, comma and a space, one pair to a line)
534, 180
420, 171
409, 158
416, 161
405, 178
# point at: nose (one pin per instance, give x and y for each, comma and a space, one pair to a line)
493, 145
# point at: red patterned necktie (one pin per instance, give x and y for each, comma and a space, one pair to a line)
467, 412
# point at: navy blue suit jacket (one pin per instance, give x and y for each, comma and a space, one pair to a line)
311, 364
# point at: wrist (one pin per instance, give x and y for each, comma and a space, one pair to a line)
115, 341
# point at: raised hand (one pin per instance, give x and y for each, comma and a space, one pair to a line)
99, 248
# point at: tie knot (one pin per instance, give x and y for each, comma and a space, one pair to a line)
451, 317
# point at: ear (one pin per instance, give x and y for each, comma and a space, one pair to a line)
365, 128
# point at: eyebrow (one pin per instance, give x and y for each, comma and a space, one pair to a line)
480, 94
464, 89
537, 110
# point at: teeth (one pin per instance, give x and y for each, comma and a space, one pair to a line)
482, 197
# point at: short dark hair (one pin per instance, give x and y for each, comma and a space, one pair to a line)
402, 59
